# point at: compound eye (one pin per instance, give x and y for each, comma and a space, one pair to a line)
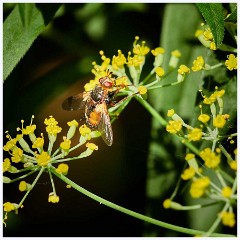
107, 84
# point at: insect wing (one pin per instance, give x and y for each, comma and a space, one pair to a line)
104, 125
75, 102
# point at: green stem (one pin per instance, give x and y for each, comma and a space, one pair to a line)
151, 110
216, 222
52, 182
162, 121
220, 178
23, 176
162, 86
147, 78
32, 186
129, 212
226, 176
227, 155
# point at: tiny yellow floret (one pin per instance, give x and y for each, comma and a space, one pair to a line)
176, 53
210, 158
204, 118
10, 144
84, 130
50, 121
90, 85
53, 129
22, 186
66, 144
122, 81
198, 64
219, 121
140, 49
195, 134
198, 33
183, 69
198, 187
231, 63
29, 129
72, 123
228, 219
135, 61
188, 173
92, 146
167, 203
6, 164
174, 126
227, 192
53, 198
142, 90
43, 158
118, 61
213, 46
159, 71
189, 156
62, 168
157, 51
233, 165
17, 155
208, 34
39, 142
8, 207
170, 112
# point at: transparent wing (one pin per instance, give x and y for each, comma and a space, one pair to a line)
104, 125
75, 102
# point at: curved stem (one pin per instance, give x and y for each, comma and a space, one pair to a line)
23, 176
33, 184
162, 121
130, 212
216, 222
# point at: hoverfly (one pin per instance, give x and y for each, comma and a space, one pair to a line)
94, 105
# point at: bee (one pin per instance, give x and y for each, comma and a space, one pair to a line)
94, 105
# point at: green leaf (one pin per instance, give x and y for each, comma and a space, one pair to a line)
21, 28
233, 16
213, 15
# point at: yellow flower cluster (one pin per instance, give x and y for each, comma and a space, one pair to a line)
188, 173
205, 36
231, 62
211, 159
52, 126
40, 160
183, 69
66, 144
195, 134
198, 64
43, 158
213, 97
228, 219
204, 118
174, 126
118, 61
199, 186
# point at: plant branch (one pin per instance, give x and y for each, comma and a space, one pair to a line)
130, 212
